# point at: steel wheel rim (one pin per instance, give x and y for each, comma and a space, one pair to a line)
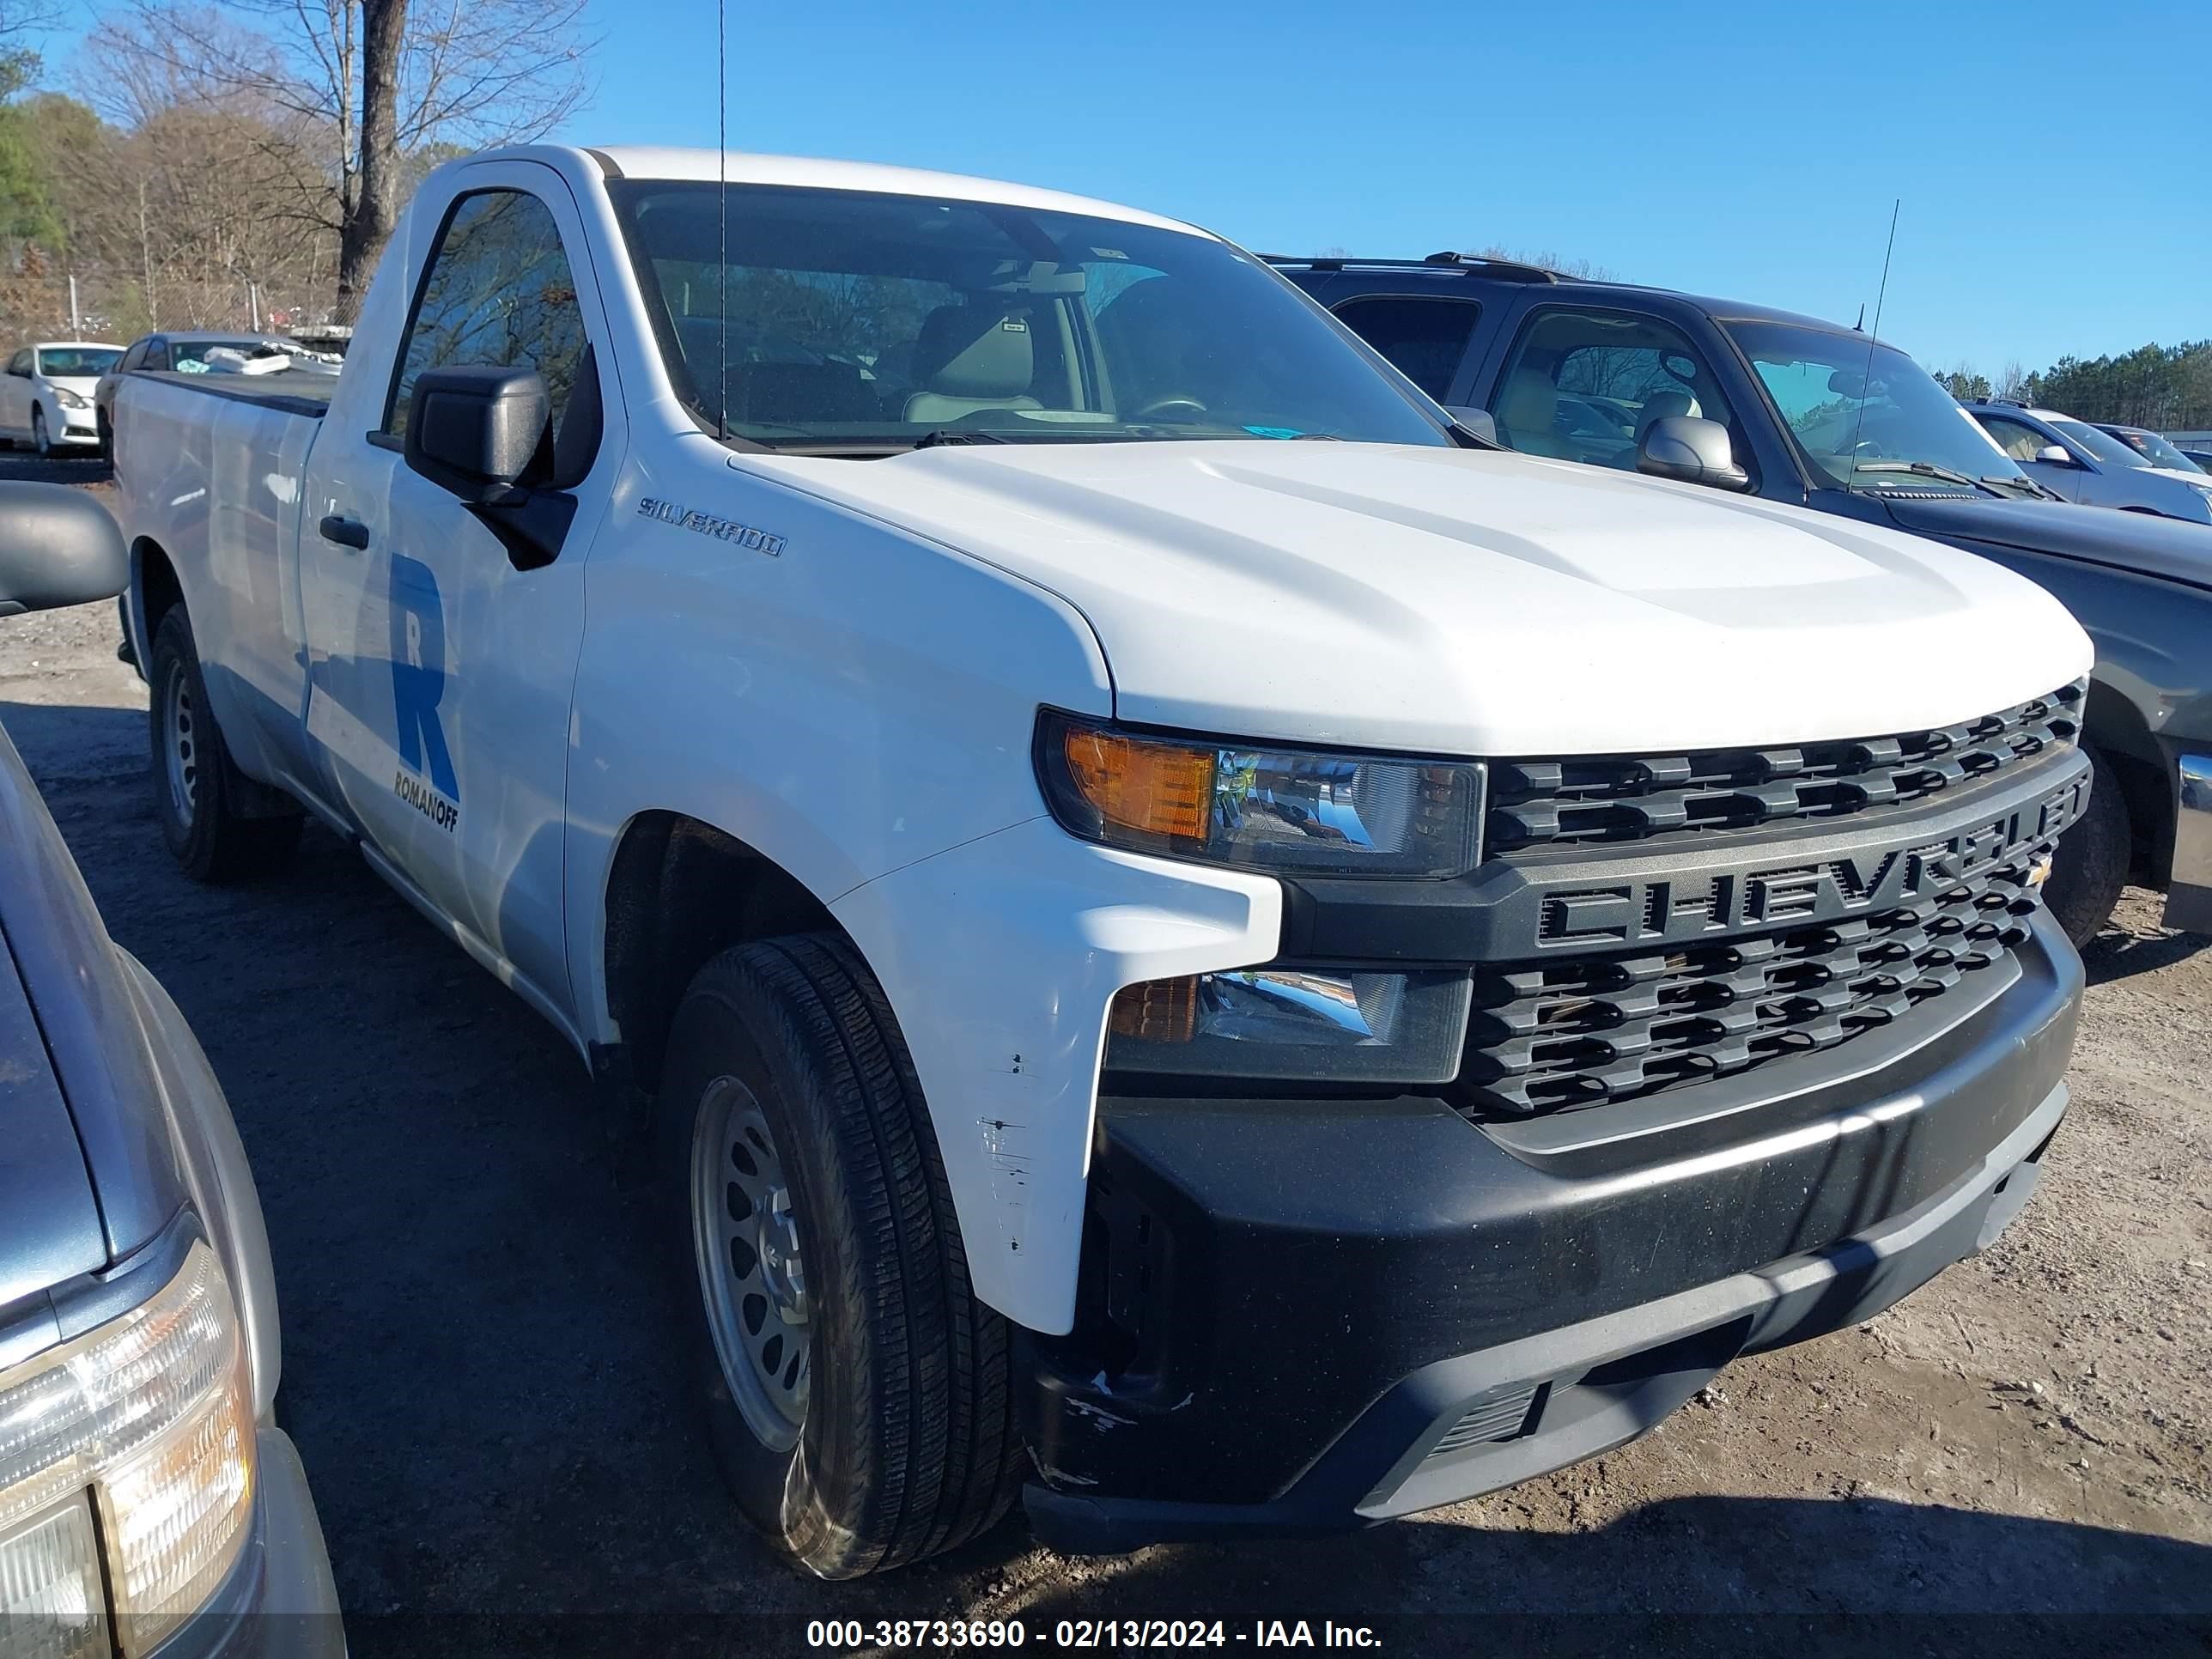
180, 751
745, 1240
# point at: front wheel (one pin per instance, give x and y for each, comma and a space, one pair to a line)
41, 439
2092, 866
197, 792
859, 1396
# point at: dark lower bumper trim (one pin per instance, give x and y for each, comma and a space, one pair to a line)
1590, 1386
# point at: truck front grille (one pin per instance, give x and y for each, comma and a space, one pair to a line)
1548, 1035
1535, 803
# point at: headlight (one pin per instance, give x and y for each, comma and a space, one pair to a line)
72, 399
1321, 1024
1292, 811
145, 1423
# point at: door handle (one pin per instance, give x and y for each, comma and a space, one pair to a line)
346, 533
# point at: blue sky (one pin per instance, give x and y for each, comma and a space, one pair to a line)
2055, 160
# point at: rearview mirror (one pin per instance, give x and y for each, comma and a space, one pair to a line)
475, 431
58, 547
2056, 455
1692, 450
1480, 422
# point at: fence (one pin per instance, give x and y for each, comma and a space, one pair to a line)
105, 305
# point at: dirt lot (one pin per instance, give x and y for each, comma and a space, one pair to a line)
478, 1334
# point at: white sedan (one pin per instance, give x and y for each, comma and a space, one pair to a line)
46, 396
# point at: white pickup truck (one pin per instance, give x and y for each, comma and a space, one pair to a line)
1212, 949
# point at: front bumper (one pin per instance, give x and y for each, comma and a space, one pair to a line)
1305, 1316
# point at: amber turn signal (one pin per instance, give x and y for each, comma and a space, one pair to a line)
1157, 788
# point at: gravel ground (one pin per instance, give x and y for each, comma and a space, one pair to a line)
478, 1334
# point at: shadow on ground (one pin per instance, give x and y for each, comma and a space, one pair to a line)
481, 1329
2113, 955
64, 466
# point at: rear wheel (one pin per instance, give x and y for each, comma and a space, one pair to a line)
2092, 866
859, 1396
197, 793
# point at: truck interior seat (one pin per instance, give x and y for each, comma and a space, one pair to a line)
1659, 406
970, 357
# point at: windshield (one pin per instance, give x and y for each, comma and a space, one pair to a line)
2155, 450
1866, 430
2102, 445
77, 363
857, 321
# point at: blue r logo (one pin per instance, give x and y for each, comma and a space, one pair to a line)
419, 672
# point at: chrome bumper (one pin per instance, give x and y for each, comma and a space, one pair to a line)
2189, 893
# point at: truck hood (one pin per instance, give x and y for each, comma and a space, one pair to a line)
1477, 602
2140, 542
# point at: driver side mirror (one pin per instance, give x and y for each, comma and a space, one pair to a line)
1480, 422
58, 547
1692, 450
2056, 455
475, 431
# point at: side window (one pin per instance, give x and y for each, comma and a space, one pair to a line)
1584, 385
498, 291
1424, 337
21, 363
157, 354
2016, 438
132, 359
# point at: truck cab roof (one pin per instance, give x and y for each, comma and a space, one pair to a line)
805, 173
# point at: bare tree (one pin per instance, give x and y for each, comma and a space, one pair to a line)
366, 85
1583, 270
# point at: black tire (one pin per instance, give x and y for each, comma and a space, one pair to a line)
2093, 860
908, 1445
106, 428
211, 838
41, 439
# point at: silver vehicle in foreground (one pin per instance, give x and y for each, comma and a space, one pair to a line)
2084, 464
150, 1505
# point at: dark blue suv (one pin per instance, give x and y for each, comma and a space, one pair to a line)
1745, 398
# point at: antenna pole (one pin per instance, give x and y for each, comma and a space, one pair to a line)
1880, 294
722, 219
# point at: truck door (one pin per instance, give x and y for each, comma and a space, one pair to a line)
441, 670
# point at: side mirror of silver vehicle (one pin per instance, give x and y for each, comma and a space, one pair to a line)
1480, 422
2056, 455
58, 547
1693, 450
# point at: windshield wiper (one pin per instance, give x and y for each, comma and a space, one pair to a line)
956, 434
1928, 469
